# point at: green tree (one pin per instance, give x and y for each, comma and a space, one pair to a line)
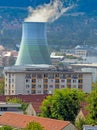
64, 104
6, 128
2, 86
92, 108
34, 126
94, 85
12, 60
79, 123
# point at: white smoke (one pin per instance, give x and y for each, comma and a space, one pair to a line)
47, 12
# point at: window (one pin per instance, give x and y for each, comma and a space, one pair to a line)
12, 85
56, 86
39, 86
27, 85
74, 86
68, 80
27, 80
34, 80
74, 80
9, 75
68, 86
12, 80
57, 80
3, 108
28, 76
12, 74
12, 91
39, 75
69, 75
45, 91
9, 80
33, 92
80, 86
51, 76
45, 80
33, 75
80, 75
56, 75
39, 91
62, 76
28, 91
79, 81
50, 86
62, 80
74, 76
62, 86
45, 75
33, 86
45, 86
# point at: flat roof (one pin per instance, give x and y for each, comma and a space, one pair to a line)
85, 65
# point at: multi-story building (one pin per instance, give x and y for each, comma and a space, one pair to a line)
41, 79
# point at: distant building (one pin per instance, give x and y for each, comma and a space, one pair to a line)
55, 59
92, 68
89, 127
43, 79
81, 53
34, 102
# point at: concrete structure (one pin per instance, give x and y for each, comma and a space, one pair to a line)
42, 79
20, 121
89, 127
81, 53
34, 47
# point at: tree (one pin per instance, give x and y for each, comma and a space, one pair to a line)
92, 108
34, 126
64, 104
79, 124
94, 85
2, 86
6, 128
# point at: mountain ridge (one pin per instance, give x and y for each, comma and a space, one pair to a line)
76, 26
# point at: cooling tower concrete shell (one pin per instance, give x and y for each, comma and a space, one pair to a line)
34, 47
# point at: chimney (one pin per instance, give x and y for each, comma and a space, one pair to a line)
34, 47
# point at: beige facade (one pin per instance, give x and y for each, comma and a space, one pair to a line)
43, 80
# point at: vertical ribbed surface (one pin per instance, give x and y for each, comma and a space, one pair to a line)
34, 47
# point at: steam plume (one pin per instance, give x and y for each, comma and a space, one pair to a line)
47, 12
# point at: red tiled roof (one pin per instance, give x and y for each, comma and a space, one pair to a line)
35, 100
83, 108
20, 121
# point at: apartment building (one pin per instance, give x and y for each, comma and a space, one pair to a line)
43, 79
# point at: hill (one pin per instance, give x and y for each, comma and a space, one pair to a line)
77, 26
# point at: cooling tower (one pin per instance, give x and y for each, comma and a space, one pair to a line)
34, 47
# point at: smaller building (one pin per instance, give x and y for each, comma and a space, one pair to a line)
20, 121
34, 102
81, 53
92, 68
89, 127
9, 107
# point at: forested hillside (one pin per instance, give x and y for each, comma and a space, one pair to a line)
77, 26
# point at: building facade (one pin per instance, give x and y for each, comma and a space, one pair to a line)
89, 127
43, 79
